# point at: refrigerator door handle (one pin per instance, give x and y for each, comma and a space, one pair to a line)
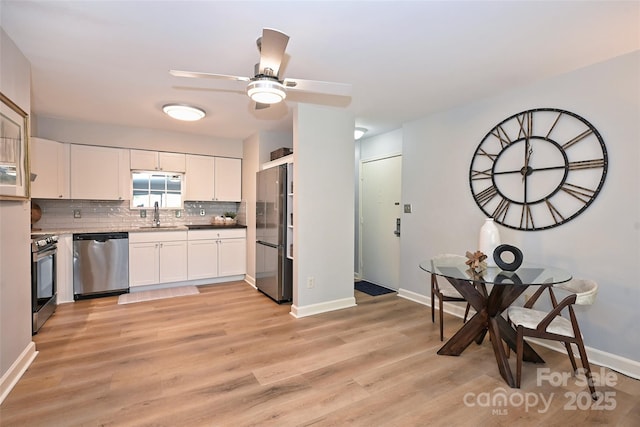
260, 242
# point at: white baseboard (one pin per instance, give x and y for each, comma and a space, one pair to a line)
310, 310
619, 364
250, 280
17, 369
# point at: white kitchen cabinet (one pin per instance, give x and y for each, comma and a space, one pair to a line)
50, 164
99, 173
157, 257
232, 257
228, 179
64, 268
157, 160
217, 253
213, 178
203, 256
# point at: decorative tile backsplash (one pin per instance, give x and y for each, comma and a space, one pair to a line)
88, 214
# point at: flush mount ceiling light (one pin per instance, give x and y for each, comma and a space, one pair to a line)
186, 113
266, 91
358, 132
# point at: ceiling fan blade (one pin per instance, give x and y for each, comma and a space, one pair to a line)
198, 75
272, 45
261, 106
327, 88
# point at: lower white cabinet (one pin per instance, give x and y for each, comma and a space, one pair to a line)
216, 253
157, 257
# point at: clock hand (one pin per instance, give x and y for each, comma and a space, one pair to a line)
526, 170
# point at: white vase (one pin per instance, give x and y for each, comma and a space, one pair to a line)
488, 241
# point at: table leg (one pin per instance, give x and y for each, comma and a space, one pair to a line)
498, 351
465, 335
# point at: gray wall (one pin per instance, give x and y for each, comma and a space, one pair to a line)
602, 243
15, 269
323, 150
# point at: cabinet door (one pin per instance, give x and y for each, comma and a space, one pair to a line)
144, 160
173, 261
232, 257
50, 162
96, 173
199, 180
143, 264
203, 259
228, 179
172, 162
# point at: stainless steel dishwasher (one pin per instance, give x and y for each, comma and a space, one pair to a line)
100, 264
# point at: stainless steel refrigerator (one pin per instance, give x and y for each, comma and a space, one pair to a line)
273, 268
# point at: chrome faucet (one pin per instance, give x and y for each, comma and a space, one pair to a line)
156, 215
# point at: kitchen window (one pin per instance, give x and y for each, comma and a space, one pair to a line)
151, 187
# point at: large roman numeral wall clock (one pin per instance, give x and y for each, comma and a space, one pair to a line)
538, 169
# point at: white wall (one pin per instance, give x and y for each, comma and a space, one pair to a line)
16, 347
78, 132
323, 150
602, 243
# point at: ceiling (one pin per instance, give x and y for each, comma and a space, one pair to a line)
108, 61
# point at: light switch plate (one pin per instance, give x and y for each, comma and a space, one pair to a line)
201, 212
407, 208
77, 213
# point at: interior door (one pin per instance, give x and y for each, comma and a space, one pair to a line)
380, 210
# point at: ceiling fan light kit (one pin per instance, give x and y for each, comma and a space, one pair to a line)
266, 91
183, 112
267, 86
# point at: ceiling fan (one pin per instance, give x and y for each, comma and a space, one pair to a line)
266, 87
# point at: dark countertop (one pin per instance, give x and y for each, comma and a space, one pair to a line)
213, 226
135, 229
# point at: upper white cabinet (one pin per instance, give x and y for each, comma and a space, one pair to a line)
228, 179
213, 178
100, 173
157, 160
50, 164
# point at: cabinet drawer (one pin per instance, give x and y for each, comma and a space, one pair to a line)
217, 234
157, 236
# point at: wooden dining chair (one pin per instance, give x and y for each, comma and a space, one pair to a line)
444, 290
552, 326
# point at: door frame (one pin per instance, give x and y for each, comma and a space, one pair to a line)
357, 274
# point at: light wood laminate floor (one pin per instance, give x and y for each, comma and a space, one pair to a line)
231, 357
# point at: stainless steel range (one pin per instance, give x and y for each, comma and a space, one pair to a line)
43, 278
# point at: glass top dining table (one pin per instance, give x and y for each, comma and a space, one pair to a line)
526, 274
490, 292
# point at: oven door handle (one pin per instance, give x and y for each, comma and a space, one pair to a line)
37, 256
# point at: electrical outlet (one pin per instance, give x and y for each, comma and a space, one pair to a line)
407, 208
178, 213
311, 282
77, 213
201, 212
143, 213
